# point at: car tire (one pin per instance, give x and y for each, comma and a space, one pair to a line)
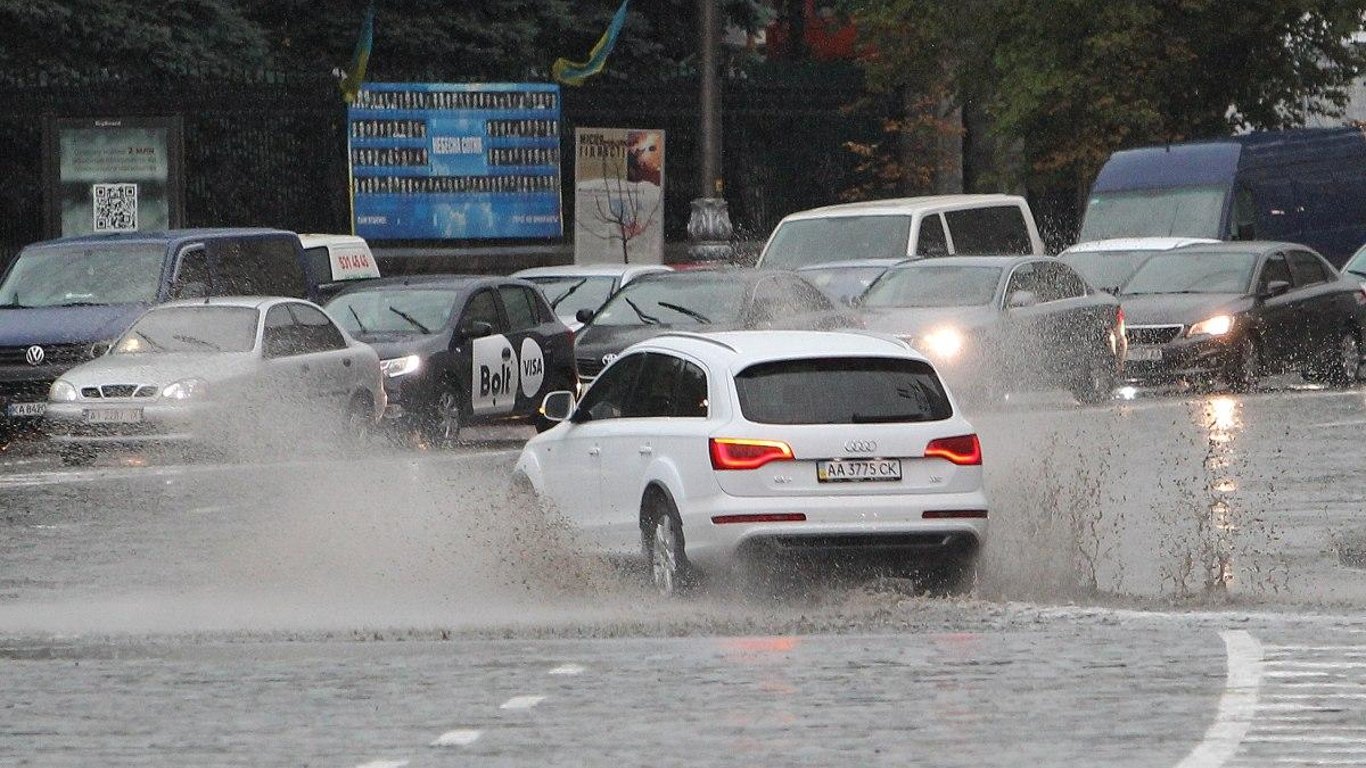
1341, 363
1097, 383
1246, 366
670, 573
446, 419
955, 576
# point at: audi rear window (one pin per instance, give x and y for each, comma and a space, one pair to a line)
842, 390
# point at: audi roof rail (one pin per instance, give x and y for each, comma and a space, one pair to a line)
696, 337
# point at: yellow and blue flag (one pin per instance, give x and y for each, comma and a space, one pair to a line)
574, 73
355, 75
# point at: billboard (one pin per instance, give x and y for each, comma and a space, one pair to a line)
434, 161
112, 174
618, 196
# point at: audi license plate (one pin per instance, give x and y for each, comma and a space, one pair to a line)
1145, 352
26, 409
113, 415
858, 470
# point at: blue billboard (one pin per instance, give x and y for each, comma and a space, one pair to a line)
433, 161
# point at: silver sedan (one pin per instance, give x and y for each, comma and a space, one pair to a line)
217, 372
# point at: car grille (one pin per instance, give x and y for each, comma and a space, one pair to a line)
589, 367
118, 390
1153, 334
53, 354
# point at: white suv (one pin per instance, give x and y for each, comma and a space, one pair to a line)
698, 451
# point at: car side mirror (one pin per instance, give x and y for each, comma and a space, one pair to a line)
558, 405
1274, 288
1022, 299
584, 315
477, 330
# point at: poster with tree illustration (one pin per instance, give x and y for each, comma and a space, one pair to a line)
618, 196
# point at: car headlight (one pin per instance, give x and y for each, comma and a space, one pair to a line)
943, 343
1215, 326
400, 366
61, 392
185, 389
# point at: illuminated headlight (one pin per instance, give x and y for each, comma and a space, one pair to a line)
185, 389
1215, 326
400, 366
942, 343
61, 392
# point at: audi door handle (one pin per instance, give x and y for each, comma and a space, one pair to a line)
646, 450
594, 451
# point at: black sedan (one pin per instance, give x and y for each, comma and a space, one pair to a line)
703, 300
1232, 312
995, 324
458, 349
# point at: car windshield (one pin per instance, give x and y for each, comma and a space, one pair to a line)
1179, 212
686, 300
1357, 264
871, 391
206, 328
934, 286
1107, 269
842, 283
1185, 272
83, 274
802, 242
396, 310
568, 294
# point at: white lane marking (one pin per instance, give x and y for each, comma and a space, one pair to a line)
1315, 761
1301, 708
1306, 696
568, 669
1316, 684
461, 737
1294, 664
1237, 705
1291, 675
384, 764
1353, 650
1303, 738
522, 702
1349, 423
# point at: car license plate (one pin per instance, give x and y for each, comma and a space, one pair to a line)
113, 415
858, 470
1146, 352
27, 409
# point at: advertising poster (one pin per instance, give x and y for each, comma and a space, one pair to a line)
113, 175
455, 162
618, 196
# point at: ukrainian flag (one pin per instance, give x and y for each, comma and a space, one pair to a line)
574, 73
355, 75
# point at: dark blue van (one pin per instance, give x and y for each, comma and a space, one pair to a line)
63, 301
1304, 186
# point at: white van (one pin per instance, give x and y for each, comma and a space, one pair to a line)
939, 225
335, 260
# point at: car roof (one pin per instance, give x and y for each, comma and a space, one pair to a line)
743, 348
250, 302
166, 236
1245, 246
714, 275
857, 263
906, 205
589, 270
1136, 244
1004, 262
458, 282
315, 240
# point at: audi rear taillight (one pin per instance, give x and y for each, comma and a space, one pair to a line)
963, 450
739, 453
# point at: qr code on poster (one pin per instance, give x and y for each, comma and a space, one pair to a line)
116, 207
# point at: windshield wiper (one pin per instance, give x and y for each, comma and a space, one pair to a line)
650, 319
80, 304
410, 319
359, 324
14, 305
566, 294
196, 340
149, 340
698, 316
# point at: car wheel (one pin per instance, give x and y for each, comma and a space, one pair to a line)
356, 422
664, 542
1098, 380
955, 576
1246, 366
447, 419
1342, 363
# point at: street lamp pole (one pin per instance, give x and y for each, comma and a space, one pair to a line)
709, 228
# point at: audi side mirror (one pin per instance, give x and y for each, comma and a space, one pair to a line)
558, 405
584, 315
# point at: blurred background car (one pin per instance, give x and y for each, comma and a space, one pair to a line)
457, 349
703, 300
845, 281
1233, 312
996, 324
1357, 264
575, 288
1106, 264
336, 261
218, 373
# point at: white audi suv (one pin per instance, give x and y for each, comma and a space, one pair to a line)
700, 451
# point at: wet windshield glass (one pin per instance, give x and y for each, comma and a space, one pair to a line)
568, 294
939, 286
404, 310
1183, 212
689, 301
1107, 269
191, 329
843, 283
84, 274
1193, 273
838, 238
